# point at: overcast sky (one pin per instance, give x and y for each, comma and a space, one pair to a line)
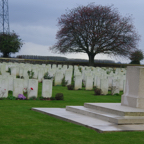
36, 22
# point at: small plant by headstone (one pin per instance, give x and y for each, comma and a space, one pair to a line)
21, 97
64, 82
83, 83
47, 76
59, 96
30, 74
70, 87
113, 89
97, 91
22, 77
9, 71
11, 97
17, 76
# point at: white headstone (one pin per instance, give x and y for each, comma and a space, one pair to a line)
11, 82
32, 88
115, 86
40, 76
68, 77
18, 87
78, 82
13, 71
104, 86
89, 82
58, 78
3, 87
47, 88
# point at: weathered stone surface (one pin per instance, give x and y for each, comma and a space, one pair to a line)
32, 88
18, 87
47, 88
78, 82
134, 89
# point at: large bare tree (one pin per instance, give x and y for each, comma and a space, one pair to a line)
95, 29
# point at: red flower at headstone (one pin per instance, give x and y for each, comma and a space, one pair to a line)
31, 88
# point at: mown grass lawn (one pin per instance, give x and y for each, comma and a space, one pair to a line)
20, 125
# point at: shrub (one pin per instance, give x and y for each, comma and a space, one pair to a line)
17, 76
97, 91
59, 96
64, 82
9, 71
30, 74
113, 89
11, 97
70, 87
22, 77
47, 76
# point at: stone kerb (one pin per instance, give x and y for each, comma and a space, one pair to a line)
134, 87
47, 88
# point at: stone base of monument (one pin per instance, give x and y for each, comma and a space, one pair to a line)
102, 117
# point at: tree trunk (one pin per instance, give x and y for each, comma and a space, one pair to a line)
91, 59
5, 54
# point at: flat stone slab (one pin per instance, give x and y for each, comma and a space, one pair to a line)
90, 122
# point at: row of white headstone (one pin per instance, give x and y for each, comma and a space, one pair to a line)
100, 78
19, 86
103, 78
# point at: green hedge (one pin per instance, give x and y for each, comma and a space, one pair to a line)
35, 61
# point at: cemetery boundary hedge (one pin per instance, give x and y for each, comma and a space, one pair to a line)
34, 61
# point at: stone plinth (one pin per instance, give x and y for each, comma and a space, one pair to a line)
134, 87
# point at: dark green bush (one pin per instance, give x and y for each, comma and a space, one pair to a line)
64, 82
59, 96
70, 87
11, 97
97, 91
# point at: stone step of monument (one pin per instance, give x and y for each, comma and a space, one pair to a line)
113, 118
116, 108
87, 121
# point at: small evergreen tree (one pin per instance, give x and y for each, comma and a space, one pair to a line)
136, 57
